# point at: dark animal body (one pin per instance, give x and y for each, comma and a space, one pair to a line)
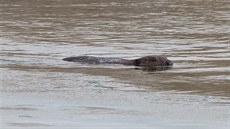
146, 61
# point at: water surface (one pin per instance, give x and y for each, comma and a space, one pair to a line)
35, 35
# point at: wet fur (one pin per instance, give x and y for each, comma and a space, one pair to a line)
146, 61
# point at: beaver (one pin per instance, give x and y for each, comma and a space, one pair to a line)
146, 61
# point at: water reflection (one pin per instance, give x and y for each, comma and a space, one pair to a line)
154, 69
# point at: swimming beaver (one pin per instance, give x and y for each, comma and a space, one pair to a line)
146, 61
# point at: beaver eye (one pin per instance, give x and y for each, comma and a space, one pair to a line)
153, 60
137, 62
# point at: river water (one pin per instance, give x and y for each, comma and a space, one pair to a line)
35, 35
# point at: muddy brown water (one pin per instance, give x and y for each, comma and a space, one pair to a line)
35, 35
193, 34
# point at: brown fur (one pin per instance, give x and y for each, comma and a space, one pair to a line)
146, 61
149, 61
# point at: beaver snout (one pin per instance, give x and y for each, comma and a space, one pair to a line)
169, 63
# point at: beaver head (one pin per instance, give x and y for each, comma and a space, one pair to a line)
152, 61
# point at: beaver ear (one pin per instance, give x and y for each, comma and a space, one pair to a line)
136, 62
